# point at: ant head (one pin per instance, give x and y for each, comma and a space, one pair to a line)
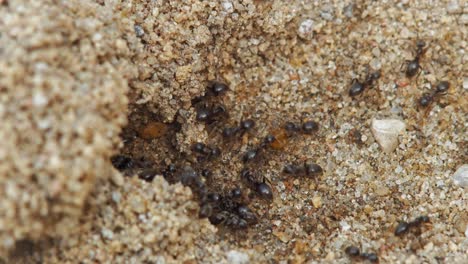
420, 43
375, 75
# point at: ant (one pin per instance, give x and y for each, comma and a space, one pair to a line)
427, 98
355, 252
308, 127
210, 112
122, 162
209, 115
262, 189
226, 210
189, 177
205, 151
214, 89
404, 227
244, 126
229, 219
413, 67
252, 154
358, 87
289, 129
308, 169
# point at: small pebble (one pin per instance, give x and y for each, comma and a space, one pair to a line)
236, 257
386, 133
107, 234
139, 31
317, 201
306, 29
460, 177
348, 10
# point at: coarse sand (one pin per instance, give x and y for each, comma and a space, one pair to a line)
83, 80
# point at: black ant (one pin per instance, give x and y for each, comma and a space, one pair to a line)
427, 98
148, 175
254, 153
227, 211
122, 162
214, 89
244, 126
210, 114
355, 252
308, 127
189, 177
358, 87
282, 134
261, 188
413, 67
404, 227
308, 169
205, 151
229, 219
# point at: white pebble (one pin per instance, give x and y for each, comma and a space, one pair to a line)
386, 133
116, 197
460, 177
345, 226
107, 234
306, 28
465, 83
453, 7
228, 7
348, 11
39, 99
236, 257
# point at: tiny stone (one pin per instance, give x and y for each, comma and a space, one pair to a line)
116, 197
139, 31
460, 177
465, 83
236, 257
386, 133
317, 201
453, 7
39, 99
107, 234
327, 13
306, 29
348, 11
117, 179
228, 7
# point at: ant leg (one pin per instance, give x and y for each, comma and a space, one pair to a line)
419, 73
404, 63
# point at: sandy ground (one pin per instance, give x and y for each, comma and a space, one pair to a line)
282, 62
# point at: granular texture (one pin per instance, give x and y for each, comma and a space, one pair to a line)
64, 72
140, 222
188, 43
286, 61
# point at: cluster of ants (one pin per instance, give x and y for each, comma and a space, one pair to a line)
402, 228
413, 68
227, 208
230, 208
